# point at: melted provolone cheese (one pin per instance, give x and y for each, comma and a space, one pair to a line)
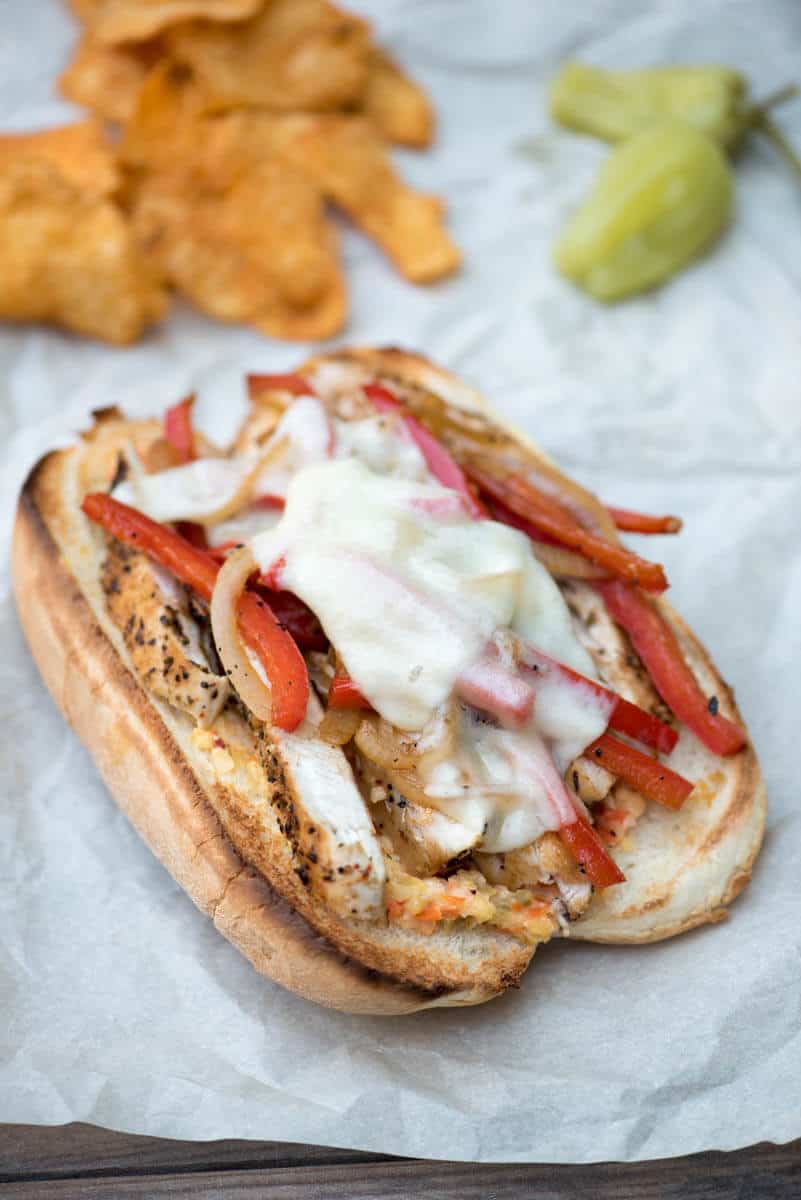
411, 592
303, 435
539, 595
186, 493
494, 781
381, 443
408, 599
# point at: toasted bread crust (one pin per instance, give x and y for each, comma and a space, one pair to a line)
706, 863
214, 843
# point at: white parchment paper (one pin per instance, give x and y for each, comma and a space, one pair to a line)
120, 1003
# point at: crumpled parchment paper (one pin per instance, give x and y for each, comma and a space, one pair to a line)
121, 1005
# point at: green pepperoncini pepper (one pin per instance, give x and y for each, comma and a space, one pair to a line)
613, 105
660, 199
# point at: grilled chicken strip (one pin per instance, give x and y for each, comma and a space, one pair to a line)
163, 638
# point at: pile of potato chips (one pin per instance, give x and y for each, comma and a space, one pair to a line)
220, 132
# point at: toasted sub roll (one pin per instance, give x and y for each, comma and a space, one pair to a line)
224, 801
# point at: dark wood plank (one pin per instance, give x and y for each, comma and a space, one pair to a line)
65, 1151
763, 1173
759, 1173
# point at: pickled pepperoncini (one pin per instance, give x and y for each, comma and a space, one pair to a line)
661, 199
613, 105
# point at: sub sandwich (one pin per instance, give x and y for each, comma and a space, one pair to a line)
381, 687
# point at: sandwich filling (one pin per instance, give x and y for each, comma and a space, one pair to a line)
400, 637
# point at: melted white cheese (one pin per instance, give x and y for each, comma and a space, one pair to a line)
539, 594
381, 443
243, 525
497, 781
306, 435
409, 599
411, 591
186, 493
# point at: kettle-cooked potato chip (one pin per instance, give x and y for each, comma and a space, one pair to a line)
294, 54
396, 104
69, 257
345, 157
79, 152
171, 129
107, 79
85, 10
164, 130
114, 21
240, 118
258, 250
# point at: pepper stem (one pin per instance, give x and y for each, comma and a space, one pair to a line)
757, 111
757, 117
781, 144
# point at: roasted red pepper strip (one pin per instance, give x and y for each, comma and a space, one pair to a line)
547, 515
343, 693
179, 433
635, 522
382, 398
625, 717
589, 851
656, 644
295, 384
178, 429
647, 775
194, 534
280, 657
438, 460
298, 619
499, 512
268, 500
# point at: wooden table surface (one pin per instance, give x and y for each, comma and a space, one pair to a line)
73, 1162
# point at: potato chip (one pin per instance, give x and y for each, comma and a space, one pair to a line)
341, 155
397, 105
115, 21
258, 250
107, 79
164, 131
171, 128
345, 157
79, 152
69, 257
294, 54
85, 10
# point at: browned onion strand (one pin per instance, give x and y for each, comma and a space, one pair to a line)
582, 505
384, 745
228, 588
242, 495
400, 751
566, 564
255, 431
339, 725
